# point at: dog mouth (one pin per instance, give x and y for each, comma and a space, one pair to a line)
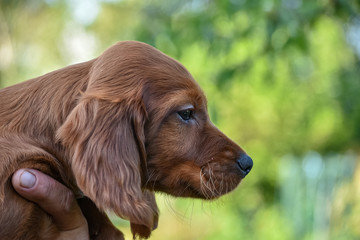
217, 180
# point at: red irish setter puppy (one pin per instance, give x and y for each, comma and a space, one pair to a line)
114, 130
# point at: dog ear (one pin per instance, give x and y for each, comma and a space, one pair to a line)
106, 143
141, 230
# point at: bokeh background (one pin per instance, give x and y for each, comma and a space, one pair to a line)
282, 79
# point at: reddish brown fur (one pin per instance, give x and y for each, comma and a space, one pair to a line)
109, 129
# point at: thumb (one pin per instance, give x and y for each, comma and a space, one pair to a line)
53, 197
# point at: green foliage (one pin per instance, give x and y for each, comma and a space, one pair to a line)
282, 79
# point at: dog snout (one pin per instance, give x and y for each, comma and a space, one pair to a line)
245, 163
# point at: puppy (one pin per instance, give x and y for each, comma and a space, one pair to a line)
114, 130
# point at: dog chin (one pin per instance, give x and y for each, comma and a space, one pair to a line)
206, 189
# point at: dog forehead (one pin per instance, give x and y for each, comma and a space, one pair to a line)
133, 67
186, 97
159, 78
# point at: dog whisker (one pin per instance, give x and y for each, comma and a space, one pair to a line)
203, 184
156, 178
150, 176
172, 209
184, 190
221, 188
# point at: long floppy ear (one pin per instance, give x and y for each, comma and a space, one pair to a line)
141, 230
106, 153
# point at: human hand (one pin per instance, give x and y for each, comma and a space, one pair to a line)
55, 199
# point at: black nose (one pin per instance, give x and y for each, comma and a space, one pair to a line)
245, 163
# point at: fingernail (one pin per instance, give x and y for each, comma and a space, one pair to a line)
27, 179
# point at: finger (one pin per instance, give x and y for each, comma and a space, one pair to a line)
53, 197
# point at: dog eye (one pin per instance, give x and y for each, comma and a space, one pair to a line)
186, 114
